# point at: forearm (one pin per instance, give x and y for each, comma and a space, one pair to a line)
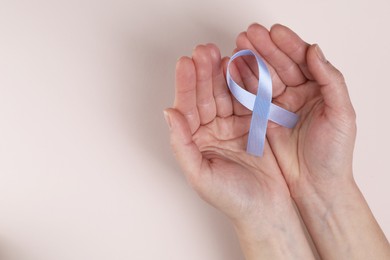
280, 236
342, 225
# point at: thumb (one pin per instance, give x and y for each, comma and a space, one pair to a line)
333, 87
185, 150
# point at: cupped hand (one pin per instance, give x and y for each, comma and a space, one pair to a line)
317, 154
209, 132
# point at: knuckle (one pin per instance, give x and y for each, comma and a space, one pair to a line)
203, 73
204, 101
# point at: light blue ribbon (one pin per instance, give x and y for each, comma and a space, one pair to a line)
260, 104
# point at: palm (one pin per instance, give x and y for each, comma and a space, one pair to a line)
235, 179
304, 150
320, 131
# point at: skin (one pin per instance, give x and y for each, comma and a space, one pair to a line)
316, 156
310, 164
208, 135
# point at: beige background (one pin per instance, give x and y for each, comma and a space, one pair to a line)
85, 165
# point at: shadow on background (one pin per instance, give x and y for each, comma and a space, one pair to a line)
155, 55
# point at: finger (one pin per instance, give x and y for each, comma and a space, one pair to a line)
294, 98
204, 84
238, 108
243, 42
222, 96
185, 92
292, 45
332, 84
288, 70
186, 152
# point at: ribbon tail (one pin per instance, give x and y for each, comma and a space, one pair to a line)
258, 127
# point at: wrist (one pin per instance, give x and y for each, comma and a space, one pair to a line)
326, 202
341, 223
272, 247
276, 235
323, 189
327, 199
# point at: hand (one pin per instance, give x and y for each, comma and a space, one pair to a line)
208, 136
318, 151
316, 156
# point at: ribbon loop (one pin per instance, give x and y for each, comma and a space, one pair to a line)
260, 104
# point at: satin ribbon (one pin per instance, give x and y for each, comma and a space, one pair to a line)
260, 104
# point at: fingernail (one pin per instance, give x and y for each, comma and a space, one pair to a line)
167, 119
320, 54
